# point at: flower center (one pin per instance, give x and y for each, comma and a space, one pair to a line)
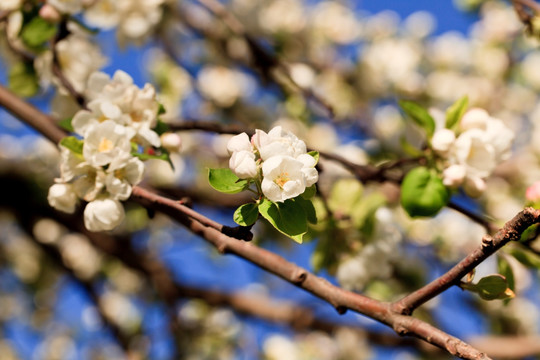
105, 145
120, 173
282, 179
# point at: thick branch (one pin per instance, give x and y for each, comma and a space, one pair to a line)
511, 231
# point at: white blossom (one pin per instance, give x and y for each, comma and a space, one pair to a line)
474, 186
243, 164
62, 197
171, 141
90, 182
106, 141
239, 142
283, 178
9, 5
97, 113
278, 142
67, 6
442, 140
454, 175
77, 57
103, 214
472, 150
474, 118
122, 174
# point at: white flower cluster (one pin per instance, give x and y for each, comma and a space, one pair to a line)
120, 116
483, 142
282, 159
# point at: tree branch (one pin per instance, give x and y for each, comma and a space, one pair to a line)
511, 231
340, 299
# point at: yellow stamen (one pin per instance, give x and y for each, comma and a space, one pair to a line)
282, 179
105, 145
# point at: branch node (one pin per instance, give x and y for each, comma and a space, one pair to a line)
341, 309
298, 276
487, 241
222, 248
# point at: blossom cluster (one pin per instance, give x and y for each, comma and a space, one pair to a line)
102, 167
471, 156
278, 159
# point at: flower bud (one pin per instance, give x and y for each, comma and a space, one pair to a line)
474, 186
103, 214
62, 197
243, 164
532, 195
442, 140
474, 118
454, 175
172, 142
50, 14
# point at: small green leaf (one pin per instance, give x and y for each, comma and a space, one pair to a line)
246, 214
527, 258
66, 124
145, 156
225, 181
419, 115
494, 287
363, 214
308, 208
455, 112
530, 233
287, 217
161, 127
344, 195
309, 192
504, 268
423, 193
161, 110
315, 155
409, 148
23, 79
73, 144
37, 32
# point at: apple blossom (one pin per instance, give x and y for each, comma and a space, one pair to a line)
474, 186
454, 175
97, 113
533, 192
122, 173
282, 178
472, 150
171, 141
103, 214
278, 142
239, 142
474, 118
442, 140
67, 6
106, 141
243, 164
9, 5
62, 197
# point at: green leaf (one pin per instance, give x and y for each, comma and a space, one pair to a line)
161, 110
66, 124
73, 144
315, 155
423, 193
311, 214
309, 192
530, 233
23, 79
159, 156
419, 115
494, 287
363, 214
527, 258
225, 181
409, 148
288, 217
455, 112
246, 214
344, 195
504, 268
161, 127
37, 32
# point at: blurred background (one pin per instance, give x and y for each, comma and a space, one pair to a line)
152, 290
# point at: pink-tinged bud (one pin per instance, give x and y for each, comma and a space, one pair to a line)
50, 14
172, 142
533, 193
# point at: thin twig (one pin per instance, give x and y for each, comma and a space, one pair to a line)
511, 231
